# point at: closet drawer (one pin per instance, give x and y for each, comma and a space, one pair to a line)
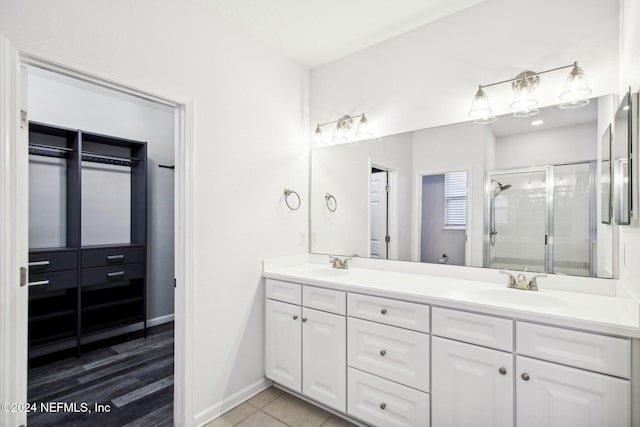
380, 402
284, 291
598, 353
52, 261
393, 353
53, 281
324, 300
473, 328
397, 313
112, 256
116, 273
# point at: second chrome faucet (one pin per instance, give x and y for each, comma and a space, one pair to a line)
520, 281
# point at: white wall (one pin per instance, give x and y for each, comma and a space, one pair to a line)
66, 102
428, 76
250, 131
454, 149
344, 171
544, 147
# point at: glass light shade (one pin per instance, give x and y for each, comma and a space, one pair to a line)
485, 120
527, 113
363, 130
339, 135
523, 97
576, 86
480, 105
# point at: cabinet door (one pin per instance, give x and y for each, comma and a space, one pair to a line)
325, 358
471, 386
283, 358
551, 395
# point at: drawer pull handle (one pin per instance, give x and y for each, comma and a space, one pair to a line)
383, 311
502, 371
525, 376
295, 317
39, 283
114, 257
304, 319
115, 274
39, 263
383, 352
383, 405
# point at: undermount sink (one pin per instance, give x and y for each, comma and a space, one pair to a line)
328, 272
520, 297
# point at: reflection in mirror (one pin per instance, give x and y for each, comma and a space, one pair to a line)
622, 152
520, 193
605, 177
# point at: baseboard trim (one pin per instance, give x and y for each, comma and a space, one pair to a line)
231, 402
160, 320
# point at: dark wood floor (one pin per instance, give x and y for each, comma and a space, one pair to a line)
134, 378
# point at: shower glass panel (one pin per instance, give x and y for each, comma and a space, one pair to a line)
517, 226
572, 219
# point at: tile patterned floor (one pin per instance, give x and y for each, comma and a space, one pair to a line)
275, 408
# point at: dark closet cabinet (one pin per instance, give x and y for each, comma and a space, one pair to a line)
84, 293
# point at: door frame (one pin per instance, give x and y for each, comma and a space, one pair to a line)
14, 54
417, 212
392, 209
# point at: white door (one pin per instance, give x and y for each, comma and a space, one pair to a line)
325, 358
378, 215
283, 344
471, 386
551, 395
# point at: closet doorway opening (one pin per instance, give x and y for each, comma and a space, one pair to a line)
379, 216
101, 252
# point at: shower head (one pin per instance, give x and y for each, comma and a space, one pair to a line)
504, 187
500, 188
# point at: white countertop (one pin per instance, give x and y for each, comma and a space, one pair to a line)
597, 313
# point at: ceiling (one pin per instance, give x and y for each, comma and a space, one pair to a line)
552, 116
313, 33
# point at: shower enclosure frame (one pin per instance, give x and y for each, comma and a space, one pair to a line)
548, 170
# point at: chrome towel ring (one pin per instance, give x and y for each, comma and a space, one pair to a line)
328, 197
288, 193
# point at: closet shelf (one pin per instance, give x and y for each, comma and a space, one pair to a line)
52, 315
110, 304
105, 326
51, 338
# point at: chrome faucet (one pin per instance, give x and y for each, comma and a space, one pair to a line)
340, 264
520, 281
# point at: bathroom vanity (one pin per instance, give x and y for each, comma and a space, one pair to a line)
393, 344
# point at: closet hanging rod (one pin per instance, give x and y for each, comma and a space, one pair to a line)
104, 158
50, 147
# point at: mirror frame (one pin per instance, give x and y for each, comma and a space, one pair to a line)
607, 138
622, 217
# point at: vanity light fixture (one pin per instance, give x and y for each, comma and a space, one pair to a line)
524, 87
343, 127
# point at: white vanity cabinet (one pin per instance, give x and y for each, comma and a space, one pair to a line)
471, 385
305, 348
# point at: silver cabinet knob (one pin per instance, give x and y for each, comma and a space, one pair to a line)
295, 317
502, 371
383, 405
383, 352
383, 311
304, 319
525, 376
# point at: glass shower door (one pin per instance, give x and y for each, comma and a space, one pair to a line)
517, 220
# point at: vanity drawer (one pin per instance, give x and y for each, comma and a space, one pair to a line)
380, 402
393, 353
116, 273
391, 312
324, 299
44, 282
284, 291
52, 261
594, 352
112, 256
473, 328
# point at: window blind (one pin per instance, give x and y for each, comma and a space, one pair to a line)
455, 199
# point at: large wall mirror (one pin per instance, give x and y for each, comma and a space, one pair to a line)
520, 193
